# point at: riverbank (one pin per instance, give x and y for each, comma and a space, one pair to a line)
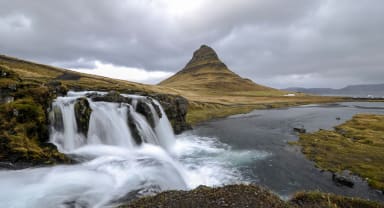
357, 146
200, 111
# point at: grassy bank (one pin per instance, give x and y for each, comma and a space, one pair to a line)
23, 122
357, 145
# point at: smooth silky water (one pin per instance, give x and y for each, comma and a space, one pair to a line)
113, 168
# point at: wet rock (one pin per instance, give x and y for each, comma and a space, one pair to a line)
82, 113
6, 166
56, 117
176, 108
343, 179
156, 107
134, 128
112, 96
299, 130
143, 108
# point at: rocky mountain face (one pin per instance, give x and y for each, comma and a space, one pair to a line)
206, 72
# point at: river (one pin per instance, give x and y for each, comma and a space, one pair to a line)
286, 170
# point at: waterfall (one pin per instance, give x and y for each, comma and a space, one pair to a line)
124, 148
108, 124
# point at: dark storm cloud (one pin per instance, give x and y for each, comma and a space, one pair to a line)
274, 42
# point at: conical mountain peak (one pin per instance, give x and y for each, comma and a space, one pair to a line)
206, 73
202, 56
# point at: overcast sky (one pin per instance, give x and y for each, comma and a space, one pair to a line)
280, 43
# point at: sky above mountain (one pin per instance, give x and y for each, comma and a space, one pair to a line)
279, 43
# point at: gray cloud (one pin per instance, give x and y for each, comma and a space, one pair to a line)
274, 42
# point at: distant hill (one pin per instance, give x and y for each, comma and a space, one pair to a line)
367, 90
205, 72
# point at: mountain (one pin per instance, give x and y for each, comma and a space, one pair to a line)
205, 72
366, 90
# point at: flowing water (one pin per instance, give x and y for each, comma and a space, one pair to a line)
113, 168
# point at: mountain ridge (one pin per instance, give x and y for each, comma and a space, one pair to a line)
364, 90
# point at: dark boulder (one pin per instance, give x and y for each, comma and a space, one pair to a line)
343, 179
112, 96
83, 114
299, 130
144, 109
133, 126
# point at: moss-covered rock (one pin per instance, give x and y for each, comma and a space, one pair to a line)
83, 114
24, 135
57, 88
326, 200
6, 72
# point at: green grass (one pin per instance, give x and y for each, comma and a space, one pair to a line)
357, 145
24, 132
326, 200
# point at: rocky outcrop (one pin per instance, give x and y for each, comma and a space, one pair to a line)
176, 108
254, 196
203, 56
144, 109
112, 96
134, 128
24, 133
83, 114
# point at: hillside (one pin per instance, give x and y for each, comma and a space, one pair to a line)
207, 74
39, 73
367, 90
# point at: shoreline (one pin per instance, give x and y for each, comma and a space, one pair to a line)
200, 112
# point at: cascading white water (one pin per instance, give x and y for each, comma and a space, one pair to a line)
108, 125
114, 166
